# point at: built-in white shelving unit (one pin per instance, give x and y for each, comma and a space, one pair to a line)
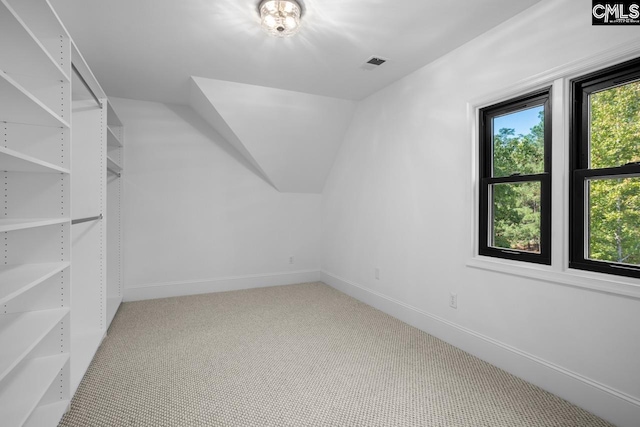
60, 218
95, 281
35, 309
88, 200
115, 147
101, 167
89, 197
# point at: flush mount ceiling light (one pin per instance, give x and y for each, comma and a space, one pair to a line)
280, 18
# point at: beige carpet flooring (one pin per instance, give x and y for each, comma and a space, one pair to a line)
299, 355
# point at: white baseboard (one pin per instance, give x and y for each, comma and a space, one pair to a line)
612, 405
193, 287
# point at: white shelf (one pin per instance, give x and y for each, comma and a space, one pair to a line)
17, 279
112, 308
13, 161
17, 41
35, 89
47, 415
12, 224
24, 331
29, 382
20, 106
113, 166
112, 139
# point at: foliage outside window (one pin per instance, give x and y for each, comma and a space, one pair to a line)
515, 179
605, 166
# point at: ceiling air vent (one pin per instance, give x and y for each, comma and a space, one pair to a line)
373, 63
376, 61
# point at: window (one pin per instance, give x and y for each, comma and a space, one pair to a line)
605, 171
515, 179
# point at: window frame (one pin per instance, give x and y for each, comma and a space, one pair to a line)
541, 97
579, 169
558, 273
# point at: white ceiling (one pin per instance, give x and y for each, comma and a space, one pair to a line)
212, 55
148, 49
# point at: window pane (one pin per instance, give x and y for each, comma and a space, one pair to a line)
614, 220
516, 216
518, 142
615, 126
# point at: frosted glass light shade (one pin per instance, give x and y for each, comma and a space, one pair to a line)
280, 18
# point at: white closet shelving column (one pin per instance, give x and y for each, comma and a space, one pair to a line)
88, 230
115, 140
35, 92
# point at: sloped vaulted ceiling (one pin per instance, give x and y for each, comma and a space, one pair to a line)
291, 138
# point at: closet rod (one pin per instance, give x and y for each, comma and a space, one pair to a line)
84, 82
116, 173
91, 218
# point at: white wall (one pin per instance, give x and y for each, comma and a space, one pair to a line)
197, 218
399, 198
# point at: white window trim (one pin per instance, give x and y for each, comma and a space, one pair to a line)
559, 271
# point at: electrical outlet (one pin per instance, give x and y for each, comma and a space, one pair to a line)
453, 300
377, 273
291, 259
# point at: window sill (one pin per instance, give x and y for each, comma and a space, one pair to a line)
623, 286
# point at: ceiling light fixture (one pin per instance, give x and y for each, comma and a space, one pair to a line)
280, 18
